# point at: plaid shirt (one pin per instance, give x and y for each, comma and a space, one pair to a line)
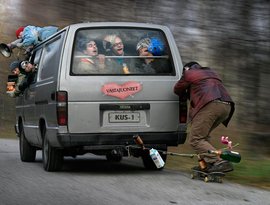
201, 86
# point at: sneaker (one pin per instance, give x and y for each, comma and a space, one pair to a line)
198, 168
221, 166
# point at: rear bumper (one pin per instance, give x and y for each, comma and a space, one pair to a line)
77, 140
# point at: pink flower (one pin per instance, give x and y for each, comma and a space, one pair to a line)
225, 140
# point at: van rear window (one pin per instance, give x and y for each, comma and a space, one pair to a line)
121, 51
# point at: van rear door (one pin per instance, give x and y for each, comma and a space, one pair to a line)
108, 99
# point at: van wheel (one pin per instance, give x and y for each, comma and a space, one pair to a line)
52, 157
112, 158
27, 152
147, 160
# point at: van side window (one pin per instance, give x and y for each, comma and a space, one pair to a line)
35, 60
37, 57
50, 58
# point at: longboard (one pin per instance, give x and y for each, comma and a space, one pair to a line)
207, 177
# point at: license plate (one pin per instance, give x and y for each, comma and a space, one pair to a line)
124, 117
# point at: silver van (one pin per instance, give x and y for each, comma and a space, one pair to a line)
97, 86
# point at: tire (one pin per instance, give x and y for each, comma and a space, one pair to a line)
52, 157
27, 152
115, 155
112, 158
147, 160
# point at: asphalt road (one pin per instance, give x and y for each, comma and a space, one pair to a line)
92, 180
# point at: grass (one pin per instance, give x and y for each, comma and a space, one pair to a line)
251, 172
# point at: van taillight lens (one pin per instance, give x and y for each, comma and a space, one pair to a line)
182, 111
62, 109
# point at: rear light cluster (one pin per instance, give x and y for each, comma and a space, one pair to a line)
183, 111
62, 107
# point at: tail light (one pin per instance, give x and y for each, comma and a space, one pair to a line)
62, 107
183, 111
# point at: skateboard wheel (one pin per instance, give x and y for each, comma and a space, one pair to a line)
206, 179
220, 180
192, 176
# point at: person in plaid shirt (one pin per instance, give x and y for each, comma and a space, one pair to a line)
210, 105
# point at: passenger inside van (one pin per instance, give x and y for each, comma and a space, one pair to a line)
30, 71
149, 47
92, 61
13, 86
26, 72
114, 46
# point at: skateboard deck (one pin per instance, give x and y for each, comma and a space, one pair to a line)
207, 177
